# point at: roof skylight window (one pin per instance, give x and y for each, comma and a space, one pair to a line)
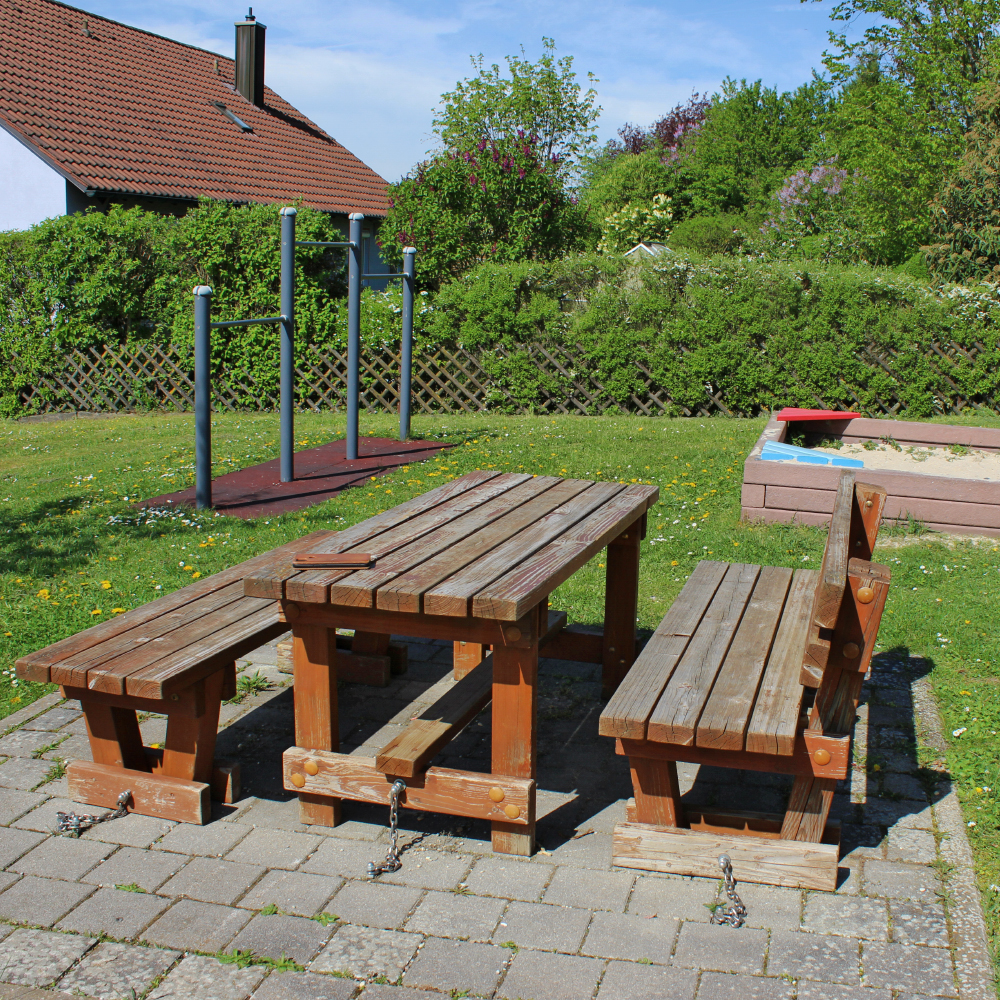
226, 113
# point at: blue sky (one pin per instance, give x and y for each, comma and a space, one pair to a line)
370, 73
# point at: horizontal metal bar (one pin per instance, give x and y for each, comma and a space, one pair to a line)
248, 322
383, 275
311, 243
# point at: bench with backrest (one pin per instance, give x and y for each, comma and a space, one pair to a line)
759, 668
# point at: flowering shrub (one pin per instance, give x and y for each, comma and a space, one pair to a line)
637, 223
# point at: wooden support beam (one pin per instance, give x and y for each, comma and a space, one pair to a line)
581, 643
769, 861
409, 752
226, 780
189, 751
657, 793
114, 735
620, 603
466, 656
326, 775
152, 794
190, 702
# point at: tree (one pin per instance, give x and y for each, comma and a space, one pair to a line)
627, 179
541, 99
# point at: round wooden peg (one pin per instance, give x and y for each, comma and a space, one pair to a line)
866, 595
512, 811
298, 780
868, 505
513, 634
852, 651
821, 756
496, 793
291, 611
311, 767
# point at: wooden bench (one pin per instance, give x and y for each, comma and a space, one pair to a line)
760, 668
175, 656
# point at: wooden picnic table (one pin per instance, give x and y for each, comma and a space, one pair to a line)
474, 562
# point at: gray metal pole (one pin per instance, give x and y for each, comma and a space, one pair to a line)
406, 348
354, 272
203, 396
287, 344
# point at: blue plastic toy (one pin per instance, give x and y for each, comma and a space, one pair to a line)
776, 451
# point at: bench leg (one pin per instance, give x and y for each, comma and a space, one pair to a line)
621, 599
657, 793
808, 808
370, 644
317, 723
114, 736
189, 752
515, 710
467, 656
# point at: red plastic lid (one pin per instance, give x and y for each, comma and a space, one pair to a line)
794, 413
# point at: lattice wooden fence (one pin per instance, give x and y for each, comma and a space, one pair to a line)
115, 378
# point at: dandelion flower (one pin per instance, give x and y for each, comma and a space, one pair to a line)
43, 594
96, 611
105, 584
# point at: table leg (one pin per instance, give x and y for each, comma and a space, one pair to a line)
467, 656
370, 644
189, 752
317, 726
657, 793
515, 709
621, 600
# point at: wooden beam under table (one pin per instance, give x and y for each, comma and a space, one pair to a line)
621, 599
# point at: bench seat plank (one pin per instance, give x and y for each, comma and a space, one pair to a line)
677, 712
727, 712
626, 714
775, 717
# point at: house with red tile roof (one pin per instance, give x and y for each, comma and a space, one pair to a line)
94, 113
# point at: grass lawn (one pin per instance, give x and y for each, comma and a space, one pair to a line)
74, 551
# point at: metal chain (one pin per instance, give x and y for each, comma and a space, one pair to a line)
392, 862
75, 823
733, 915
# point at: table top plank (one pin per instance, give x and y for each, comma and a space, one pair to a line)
775, 718
628, 711
405, 593
314, 586
42, 660
724, 722
677, 712
359, 588
514, 594
454, 595
270, 582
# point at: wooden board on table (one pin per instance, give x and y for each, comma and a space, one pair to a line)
833, 572
768, 861
676, 714
37, 665
627, 713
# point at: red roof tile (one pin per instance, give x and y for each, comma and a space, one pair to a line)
118, 109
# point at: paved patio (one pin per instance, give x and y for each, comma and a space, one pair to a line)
146, 905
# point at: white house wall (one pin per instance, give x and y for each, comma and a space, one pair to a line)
30, 190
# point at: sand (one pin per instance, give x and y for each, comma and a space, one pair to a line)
928, 461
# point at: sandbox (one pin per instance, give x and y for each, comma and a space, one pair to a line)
956, 492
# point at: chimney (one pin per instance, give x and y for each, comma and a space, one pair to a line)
250, 59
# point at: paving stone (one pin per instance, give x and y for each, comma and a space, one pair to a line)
75, 747
850, 916
452, 915
916, 846
133, 866
306, 986
828, 991
274, 848
53, 719
14, 803
919, 923
115, 912
14, 843
292, 892
212, 840
590, 888
721, 948
379, 991
814, 956
277, 935
113, 970
457, 966
24, 773
62, 857
132, 830
907, 785
906, 813
274, 815
348, 858
593, 851
625, 935
374, 904
38, 958
858, 841
193, 926
431, 869
544, 976
197, 976
43, 817
355, 829
41, 901
909, 967
538, 925
7, 879
898, 881
212, 880
719, 986
497, 875
25, 742
685, 899
632, 981
367, 952
771, 906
